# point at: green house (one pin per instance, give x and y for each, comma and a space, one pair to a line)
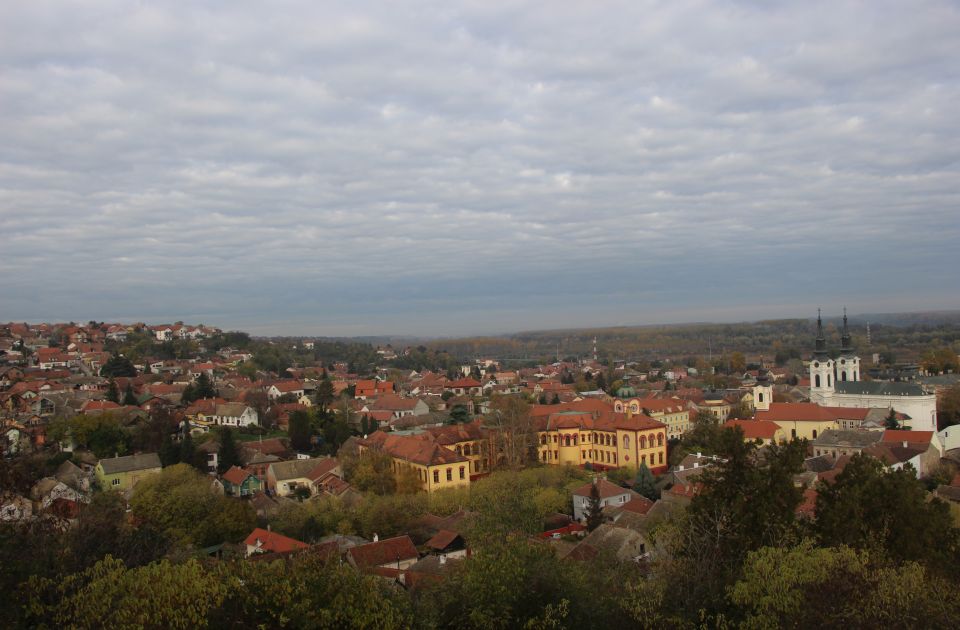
123, 473
238, 482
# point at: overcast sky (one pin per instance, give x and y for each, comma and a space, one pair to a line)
352, 168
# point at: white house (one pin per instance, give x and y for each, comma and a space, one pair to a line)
231, 415
610, 495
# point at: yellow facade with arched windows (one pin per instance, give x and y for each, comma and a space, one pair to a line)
602, 446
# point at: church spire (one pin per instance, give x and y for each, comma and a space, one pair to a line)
846, 345
820, 349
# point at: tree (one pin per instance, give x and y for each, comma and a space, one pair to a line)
738, 363
601, 381
870, 507
594, 508
183, 503
948, 407
169, 452
128, 396
849, 588
118, 365
188, 452
645, 483
513, 438
299, 431
204, 387
325, 394
459, 415
555, 400
189, 394
228, 455
374, 473
113, 392
891, 421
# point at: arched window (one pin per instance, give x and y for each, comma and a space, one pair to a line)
574, 439
566, 440
643, 441
816, 381
829, 381
626, 442
843, 375
459, 450
814, 434
760, 397
660, 439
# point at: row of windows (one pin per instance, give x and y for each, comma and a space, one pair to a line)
436, 474
606, 457
603, 440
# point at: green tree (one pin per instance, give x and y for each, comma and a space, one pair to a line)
189, 394
300, 431
594, 513
169, 452
129, 398
228, 455
837, 587
113, 392
645, 483
189, 454
374, 473
869, 507
891, 421
204, 387
118, 365
459, 415
948, 406
324, 395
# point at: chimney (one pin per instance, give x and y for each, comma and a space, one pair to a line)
698, 454
376, 538
680, 467
904, 444
268, 527
696, 464
443, 559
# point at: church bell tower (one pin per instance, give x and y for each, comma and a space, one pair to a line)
848, 365
821, 368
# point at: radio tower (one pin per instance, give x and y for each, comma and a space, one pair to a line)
868, 333
594, 349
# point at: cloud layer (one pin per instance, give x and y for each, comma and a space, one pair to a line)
457, 167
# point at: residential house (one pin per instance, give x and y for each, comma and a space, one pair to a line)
838, 442
282, 388
465, 387
238, 482
365, 389
233, 414
285, 478
610, 495
397, 406
471, 440
123, 473
393, 553
447, 543
266, 541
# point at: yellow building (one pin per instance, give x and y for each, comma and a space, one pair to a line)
603, 441
470, 440
716, 405
673, 412
808, 420
436, 466
123, 473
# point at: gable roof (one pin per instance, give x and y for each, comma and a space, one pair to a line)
130, 463
269, 541
897, 436
236, 475
383, 552
810, 412
879, 388
755, 429
606, 488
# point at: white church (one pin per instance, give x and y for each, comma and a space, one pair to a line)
836, 383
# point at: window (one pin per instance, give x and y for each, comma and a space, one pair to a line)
760, 397
660, 439
793, 433
843, 376
449, 474
816, 381
622, 498
814, 434
643, 441
829, 381
436, 476
583, 454
626, 442
115, 482
462, 473
660, 457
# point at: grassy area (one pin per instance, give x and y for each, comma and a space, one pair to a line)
253, 437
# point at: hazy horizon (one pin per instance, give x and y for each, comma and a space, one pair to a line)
475, 168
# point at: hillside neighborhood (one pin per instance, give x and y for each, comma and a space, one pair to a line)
385, 467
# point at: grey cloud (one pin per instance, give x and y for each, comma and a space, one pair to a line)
436, 167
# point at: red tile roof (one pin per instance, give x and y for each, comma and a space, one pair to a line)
236, 475
755, 429
606, 488
442, 539
896, 436
812, 412
272, 541
638, 505
383, 552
